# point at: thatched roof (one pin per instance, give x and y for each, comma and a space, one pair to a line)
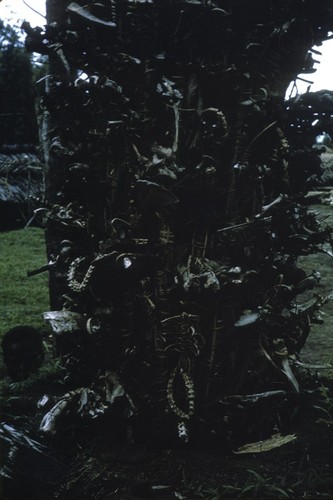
20, 175
21, 183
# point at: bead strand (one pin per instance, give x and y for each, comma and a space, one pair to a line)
189, 389
73, 283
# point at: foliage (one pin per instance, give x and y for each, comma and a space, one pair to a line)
175, 219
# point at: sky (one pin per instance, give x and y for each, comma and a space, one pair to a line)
323, 77
15, 11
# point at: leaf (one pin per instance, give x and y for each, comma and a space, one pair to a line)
152, 196
179, 496
113, 388
81, 11
254, 398
325, 421
275, 441
256, 475
16, 438
192, 86
248, 102
289, 374
279, 490
248, 317
160, 488
83, 401
248, 488
221, 11
49, 423
306, 306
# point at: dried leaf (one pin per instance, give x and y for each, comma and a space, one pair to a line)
113, 388
83, 400
49, 422
254, 398
289, 374
81, 11
193, 2
247, 318
276, 441
17, 438
221, 11
141, 1
179, 496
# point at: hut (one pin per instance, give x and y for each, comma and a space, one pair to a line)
21, 184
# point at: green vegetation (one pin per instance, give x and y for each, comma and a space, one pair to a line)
23, 299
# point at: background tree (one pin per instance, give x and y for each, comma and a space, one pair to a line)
18, 123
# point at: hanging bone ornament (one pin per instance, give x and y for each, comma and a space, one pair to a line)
104, 271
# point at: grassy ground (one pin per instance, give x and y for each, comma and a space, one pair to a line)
23, 300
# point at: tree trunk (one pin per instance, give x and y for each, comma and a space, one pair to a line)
56, 16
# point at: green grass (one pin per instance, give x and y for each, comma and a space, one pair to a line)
22, 300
